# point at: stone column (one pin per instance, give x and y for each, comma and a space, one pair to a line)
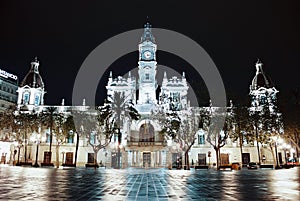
159, 158
132, 158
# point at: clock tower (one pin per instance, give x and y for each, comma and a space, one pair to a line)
147, 67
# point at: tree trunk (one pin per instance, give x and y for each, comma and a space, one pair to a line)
217, 157
57, 156
76, 150
257, 144
50, 146
273, 155
95, 158
241, 146
186, 160
25, 146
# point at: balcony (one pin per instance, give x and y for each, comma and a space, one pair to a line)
143, 144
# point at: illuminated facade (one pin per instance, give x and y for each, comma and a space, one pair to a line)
142, 145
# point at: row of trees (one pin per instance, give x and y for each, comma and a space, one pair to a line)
97, 125
240, 124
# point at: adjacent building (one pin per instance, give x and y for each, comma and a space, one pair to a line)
8, 90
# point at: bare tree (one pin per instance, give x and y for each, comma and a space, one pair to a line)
242, 131
217, 135
187, 133
26, 123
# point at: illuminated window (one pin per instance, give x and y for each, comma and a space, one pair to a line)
37, 100
201, 139
47, 137
26, 98
92, 138
147, 77
70, 137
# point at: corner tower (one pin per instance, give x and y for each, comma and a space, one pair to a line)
147, 84
262, 90
31, 91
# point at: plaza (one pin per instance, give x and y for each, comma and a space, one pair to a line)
27, 183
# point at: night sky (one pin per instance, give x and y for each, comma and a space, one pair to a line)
234, 33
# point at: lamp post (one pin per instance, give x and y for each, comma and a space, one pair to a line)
38, 136
63, 158
277, 163
276, 152
19, 149
118, 147
285, 147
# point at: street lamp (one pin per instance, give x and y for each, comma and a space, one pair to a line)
119, 135
276, 153
285, 147
38, 137
19, 145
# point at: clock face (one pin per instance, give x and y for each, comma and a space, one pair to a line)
147, 54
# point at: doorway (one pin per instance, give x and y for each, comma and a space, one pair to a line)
69, 158
201, 159
224, 159
246, 158
146, 159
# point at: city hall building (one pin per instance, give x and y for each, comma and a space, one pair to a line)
142, 145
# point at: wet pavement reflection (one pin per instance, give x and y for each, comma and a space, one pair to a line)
26, 183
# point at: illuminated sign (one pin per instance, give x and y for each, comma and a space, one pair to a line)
7, 75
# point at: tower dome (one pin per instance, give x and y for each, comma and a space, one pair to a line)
33, 78
260, 79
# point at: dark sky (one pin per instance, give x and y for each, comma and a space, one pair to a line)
234, 33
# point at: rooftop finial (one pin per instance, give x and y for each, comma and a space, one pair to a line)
165, 75
258, 66
147, 35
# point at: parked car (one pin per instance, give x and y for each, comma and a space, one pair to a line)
252, 165
235, 166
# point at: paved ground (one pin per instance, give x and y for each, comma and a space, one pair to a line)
26, 183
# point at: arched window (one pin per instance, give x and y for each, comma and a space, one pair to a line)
37, 100
93, 137
146, 133
201, 137
26, 98
70, 138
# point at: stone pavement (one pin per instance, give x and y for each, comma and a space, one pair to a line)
21, 183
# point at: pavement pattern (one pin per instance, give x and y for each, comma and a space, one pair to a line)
26, 183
